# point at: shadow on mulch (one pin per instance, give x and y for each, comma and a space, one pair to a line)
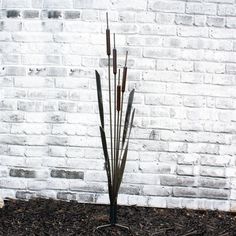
51, 217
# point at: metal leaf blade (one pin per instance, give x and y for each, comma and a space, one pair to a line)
107, 161
100, 102
127, 116
121, 169
124, 158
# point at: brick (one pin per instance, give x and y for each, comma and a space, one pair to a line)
31, 59
153, 190
5, 36
4, 172
192, 32
212, 171
16, 4
25, 82
184, 20
11, 59
215, 21
189, 203
223, 33
57, 151
163, 6
37, 3
26, 195
7, 105
224, 103
185, 192
29, 14
13, 14
173, 202
200, 20
86, 197
87, 187
54, 14
68, 196
36, 151
151, 29
4, 128
188, 159
230, 22
231, 68
130, 189
13, 183
127, 16
177, 147
201, 8
171, 180
221, 1
186, 170
57, 4
145, 17
140, 179
83, 27
29, 106
135, 5
215, 160
203, 148
150, 167
226, 10
92, 4
194, 101
137, 200
22, 173
213, 183
209, 67
214, 193
57, 173
32, 37
174, 65
160, 53
165, 18
72, 15
128, 28
57, 140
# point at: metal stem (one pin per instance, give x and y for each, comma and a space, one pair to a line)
115, 168
117, 133
110, 112
121, 111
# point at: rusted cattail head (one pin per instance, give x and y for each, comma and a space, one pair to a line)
124, 73
114, 52
118, 93
108, 42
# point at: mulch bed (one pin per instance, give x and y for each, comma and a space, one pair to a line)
51, 217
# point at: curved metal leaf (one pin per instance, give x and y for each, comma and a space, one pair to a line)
123, 162
107, 161
100, 102
127, 116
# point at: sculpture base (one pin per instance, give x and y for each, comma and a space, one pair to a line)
112, 225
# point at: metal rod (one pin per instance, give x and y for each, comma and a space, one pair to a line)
114, 72
109, 87
126, 57
122, 101
118, 121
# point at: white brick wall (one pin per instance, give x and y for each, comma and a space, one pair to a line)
182, 62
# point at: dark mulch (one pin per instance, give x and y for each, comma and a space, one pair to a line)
50, 217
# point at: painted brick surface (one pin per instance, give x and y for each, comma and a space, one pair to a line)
182, 63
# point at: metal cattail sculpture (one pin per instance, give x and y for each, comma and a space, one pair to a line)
115, 155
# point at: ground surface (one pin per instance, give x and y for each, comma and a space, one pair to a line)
50, 217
